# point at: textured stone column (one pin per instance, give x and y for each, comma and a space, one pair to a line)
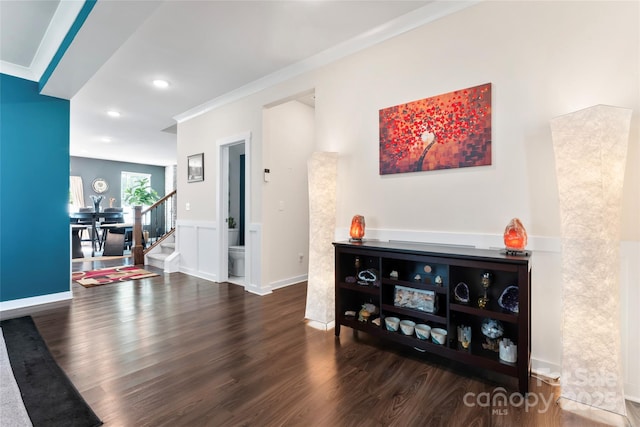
323, 169
591, 149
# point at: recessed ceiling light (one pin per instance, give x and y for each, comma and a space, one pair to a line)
105, 139
113, 113
162, 84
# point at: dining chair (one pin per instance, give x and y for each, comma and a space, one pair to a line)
87, 233
106, 222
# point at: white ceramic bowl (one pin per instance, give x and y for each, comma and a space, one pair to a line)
407, 326
423, 331
392, 323
439, 335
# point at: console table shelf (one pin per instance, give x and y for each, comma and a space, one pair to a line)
417, 281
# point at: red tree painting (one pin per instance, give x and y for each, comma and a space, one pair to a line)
452, 130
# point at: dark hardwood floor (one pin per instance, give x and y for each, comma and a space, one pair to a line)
176, 350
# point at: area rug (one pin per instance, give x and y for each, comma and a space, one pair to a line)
104, 276
49, 397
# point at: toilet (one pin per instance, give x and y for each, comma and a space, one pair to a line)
236, 261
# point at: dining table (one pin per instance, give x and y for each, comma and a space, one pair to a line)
95, 219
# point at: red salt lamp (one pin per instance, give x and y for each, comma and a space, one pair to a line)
515, 236
357, 228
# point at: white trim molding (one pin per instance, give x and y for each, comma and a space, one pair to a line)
253, 261
34, 301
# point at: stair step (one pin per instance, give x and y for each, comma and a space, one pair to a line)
160, 256
168, 245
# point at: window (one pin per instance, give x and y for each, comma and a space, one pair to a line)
129, 179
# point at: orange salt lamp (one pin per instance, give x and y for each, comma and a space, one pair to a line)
357, 228
515, 236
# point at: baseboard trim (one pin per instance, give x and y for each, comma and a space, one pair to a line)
320, 325
631, 392
34, 301
195, 273
288, 282
254, 289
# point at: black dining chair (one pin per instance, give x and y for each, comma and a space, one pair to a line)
107, 222
86, 234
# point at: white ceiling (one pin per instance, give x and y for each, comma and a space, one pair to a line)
209, 51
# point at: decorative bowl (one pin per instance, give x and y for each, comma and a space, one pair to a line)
392, 323
407, 326
439, 335
423, 331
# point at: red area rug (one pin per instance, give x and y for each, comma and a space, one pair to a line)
104, 276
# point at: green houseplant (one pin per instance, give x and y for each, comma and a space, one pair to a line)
140, 194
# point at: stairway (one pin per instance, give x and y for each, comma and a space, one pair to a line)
163, 255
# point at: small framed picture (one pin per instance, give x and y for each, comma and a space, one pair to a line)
195, 168
417, 299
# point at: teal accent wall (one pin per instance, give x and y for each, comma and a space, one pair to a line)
34, 191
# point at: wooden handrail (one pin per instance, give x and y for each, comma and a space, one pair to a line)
159, 222
159, 202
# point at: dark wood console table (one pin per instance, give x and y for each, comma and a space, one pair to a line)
409, 273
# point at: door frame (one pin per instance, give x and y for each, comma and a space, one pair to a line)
222, 191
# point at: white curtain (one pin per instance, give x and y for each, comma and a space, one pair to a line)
77, 196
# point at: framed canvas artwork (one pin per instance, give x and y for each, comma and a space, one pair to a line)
195, 168
452, 130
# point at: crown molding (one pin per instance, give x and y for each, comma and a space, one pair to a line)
15, 70
59, 26
424, 15
61, 22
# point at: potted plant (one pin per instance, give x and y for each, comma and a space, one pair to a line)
140, 194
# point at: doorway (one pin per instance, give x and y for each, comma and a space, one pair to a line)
234, 196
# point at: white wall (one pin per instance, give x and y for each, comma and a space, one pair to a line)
289, 133
544, 59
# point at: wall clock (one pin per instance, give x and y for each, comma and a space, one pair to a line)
99, 185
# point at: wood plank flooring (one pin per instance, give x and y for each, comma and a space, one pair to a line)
177, 350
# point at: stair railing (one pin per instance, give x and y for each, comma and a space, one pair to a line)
153, 225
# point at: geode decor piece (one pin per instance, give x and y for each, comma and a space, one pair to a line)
368, 277
461, 293
509, 299
492, 328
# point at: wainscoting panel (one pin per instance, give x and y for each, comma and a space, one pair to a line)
253, 283
197, 243
208, 255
